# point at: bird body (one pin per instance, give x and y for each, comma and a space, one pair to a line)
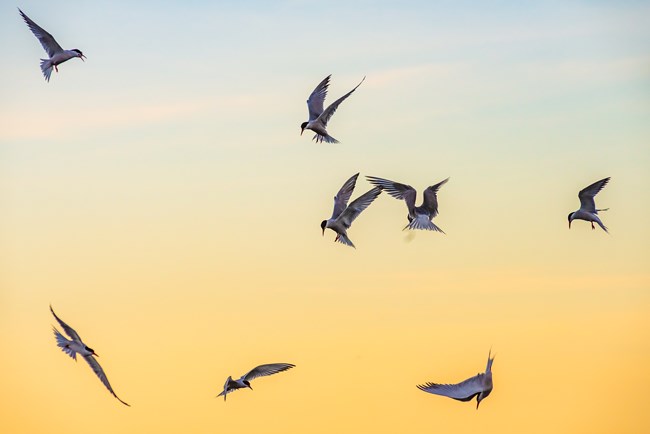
344, 214
479, 386
259, 371
57, 55
588, 211
419, 217
319, 117
74, 346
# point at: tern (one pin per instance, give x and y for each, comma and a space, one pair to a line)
345, 214
479, 386
245, 380
76, 345
419, 216
57, 54
588, 209
318, 118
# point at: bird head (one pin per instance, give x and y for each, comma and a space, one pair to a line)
323, 224
570, 217
302, 127
248, 384
79, 53
91, 351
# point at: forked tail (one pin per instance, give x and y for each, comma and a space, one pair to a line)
46, 67
422, 222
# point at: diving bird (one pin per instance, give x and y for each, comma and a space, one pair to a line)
74, 346
345, 214
479, 386
419, 216
57, 54
588, 209
245, 380
318, 118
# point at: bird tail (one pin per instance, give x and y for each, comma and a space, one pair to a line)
46, 67
343, 239
422, 222
63, 343
326, 138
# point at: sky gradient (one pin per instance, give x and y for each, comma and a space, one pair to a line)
160, 196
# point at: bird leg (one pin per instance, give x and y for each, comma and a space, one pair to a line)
56, 68
592, 226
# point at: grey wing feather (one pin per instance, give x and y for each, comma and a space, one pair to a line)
68, 330
343, 196
463, 391
50, 46
587, 194
331, 109
269, 369
430, 200
97, 369
317, 99
357, 206
398, 191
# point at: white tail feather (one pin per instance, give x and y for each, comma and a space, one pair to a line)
422, 222
46, 67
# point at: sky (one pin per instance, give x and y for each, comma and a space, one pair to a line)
160, 196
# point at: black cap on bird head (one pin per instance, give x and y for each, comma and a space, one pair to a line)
322, 225
302, 127
78, 51
91, 350
248, 384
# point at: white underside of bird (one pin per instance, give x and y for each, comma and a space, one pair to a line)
479, 386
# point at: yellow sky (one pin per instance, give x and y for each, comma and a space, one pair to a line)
169, 210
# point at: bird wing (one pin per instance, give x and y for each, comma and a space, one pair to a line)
68, 330
430, 201
331, 109
343, 196
357, 206
97, 369
587, 194
317, 99
48, 42
463, 391
397, 190
264, 370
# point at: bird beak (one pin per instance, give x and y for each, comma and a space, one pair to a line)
569, 224
323, 231
249, 386
82, 58
302, 130
95, 354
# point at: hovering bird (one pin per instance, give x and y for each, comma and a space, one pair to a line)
588, 209
345, 214
57, 54
74, 346
318, 118
245, 380
419, 216
479, 386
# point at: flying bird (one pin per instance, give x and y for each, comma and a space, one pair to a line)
318, 118
345, 214
588, 209
76, 345
57, 54
419, 216
479, 386
245, 380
